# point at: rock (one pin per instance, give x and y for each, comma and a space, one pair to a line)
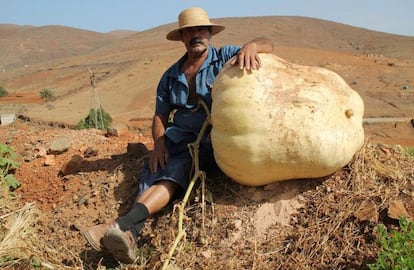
90, 152
117, 129
59, 146
72, 166
49, 160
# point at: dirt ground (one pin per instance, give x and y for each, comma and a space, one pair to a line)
298, 224
254, 222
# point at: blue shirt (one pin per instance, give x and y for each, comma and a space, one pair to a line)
172, 93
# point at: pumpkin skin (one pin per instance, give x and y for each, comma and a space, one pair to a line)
283, 121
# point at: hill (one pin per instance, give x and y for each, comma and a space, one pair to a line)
26, 45
379, 66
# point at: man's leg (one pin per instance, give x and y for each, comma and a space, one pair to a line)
149, 202
119, 236
120, 242
157, 196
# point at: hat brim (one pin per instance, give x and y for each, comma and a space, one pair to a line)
175, 35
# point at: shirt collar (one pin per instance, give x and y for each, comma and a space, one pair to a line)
175, 71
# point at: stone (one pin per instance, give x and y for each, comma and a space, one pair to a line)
72, 166
117, 129
59, 146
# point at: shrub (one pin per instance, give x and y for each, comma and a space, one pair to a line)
397, 247
7, 166
3, 92
47, 94
410, 151
98, 119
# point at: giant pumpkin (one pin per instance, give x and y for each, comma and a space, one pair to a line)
283, 121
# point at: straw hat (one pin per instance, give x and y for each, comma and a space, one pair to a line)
191, 17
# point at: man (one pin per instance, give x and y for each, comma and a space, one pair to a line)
177, 121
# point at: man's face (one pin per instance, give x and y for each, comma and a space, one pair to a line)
196, 39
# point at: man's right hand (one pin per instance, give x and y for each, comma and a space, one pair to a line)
159, 156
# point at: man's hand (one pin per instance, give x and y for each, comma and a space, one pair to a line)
159, 156
248, 56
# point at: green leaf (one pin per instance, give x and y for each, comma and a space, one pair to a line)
396, 247
12, 182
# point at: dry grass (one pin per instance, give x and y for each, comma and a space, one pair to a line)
20, 244
18, 238
336, 229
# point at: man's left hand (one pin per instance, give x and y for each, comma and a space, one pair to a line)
248, 57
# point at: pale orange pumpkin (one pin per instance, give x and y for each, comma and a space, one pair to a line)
283, 121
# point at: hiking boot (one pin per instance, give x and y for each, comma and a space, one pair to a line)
95, 234
121, 245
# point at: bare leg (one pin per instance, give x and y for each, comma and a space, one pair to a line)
157, 196
118, 238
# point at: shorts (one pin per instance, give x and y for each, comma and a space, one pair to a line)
179, 164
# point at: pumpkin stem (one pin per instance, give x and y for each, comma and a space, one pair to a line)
198, 174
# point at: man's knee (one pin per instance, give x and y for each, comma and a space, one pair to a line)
170, 186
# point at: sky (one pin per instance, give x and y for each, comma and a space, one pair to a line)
390, 16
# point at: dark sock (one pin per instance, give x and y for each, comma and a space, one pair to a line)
136, 228
135, 219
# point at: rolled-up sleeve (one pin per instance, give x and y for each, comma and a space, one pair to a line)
162, 102
228, 51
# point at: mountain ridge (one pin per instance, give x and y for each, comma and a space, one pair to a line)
377, 65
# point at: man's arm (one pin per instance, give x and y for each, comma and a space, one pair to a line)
159, 155
248, 57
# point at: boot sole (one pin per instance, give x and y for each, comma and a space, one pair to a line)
91, 242
118, 246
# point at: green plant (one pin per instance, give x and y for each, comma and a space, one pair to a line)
47, 94
397, 247
7, 165
3, 92
410, 151
96, 119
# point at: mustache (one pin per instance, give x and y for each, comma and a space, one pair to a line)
196, 40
